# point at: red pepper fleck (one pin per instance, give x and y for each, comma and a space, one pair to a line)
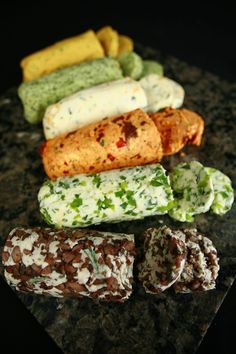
111, 157
120, 143
65, 172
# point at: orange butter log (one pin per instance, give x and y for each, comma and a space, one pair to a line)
128, 140
178, 127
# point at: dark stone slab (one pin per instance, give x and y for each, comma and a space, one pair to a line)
167, 323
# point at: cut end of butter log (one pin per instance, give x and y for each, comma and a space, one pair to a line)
93, 104
161, 92
109, 39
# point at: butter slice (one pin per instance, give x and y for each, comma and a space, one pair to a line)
126, 44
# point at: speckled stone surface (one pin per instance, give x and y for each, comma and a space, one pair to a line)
166, 323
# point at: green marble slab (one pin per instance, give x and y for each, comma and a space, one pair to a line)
166, 323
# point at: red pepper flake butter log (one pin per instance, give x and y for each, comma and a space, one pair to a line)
165, 254
70, 263
178, 127
127, 140
201, 266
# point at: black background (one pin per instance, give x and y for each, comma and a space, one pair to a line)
199, 34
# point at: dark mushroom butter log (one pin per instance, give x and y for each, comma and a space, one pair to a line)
70, 263
165, 255
183, 258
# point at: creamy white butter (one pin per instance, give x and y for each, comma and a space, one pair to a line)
91, 105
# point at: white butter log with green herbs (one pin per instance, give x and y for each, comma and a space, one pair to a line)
161, 92
111, 196
193, 191
93, 104
223, 191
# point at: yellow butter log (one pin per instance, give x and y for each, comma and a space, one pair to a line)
110, 40
64, 53
126, 44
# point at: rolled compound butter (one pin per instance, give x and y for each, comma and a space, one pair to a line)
110, 196
37, 95
93, 104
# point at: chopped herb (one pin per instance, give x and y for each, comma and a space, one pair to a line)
46, 217
120, 193
75, 180
131, 212
124, 205
123, 185
63, 185
36, 280
97, 180
105, 204
130, 198
92, 256
50, 185
77, 202
224, 194
162, 209
159, 181
186, 166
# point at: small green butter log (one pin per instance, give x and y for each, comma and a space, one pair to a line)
131, 64
152, 67
37, 95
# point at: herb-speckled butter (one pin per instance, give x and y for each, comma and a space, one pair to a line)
116, 195
161, 92
193, 190
37, 95
93, 104
223, 191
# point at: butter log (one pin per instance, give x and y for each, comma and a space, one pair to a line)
91, 105
110, 196
67, 52
67, 263
37, 95
127, 140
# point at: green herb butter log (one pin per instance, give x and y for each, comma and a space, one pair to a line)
37, 95
111, 196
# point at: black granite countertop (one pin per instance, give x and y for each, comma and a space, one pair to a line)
164, 323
